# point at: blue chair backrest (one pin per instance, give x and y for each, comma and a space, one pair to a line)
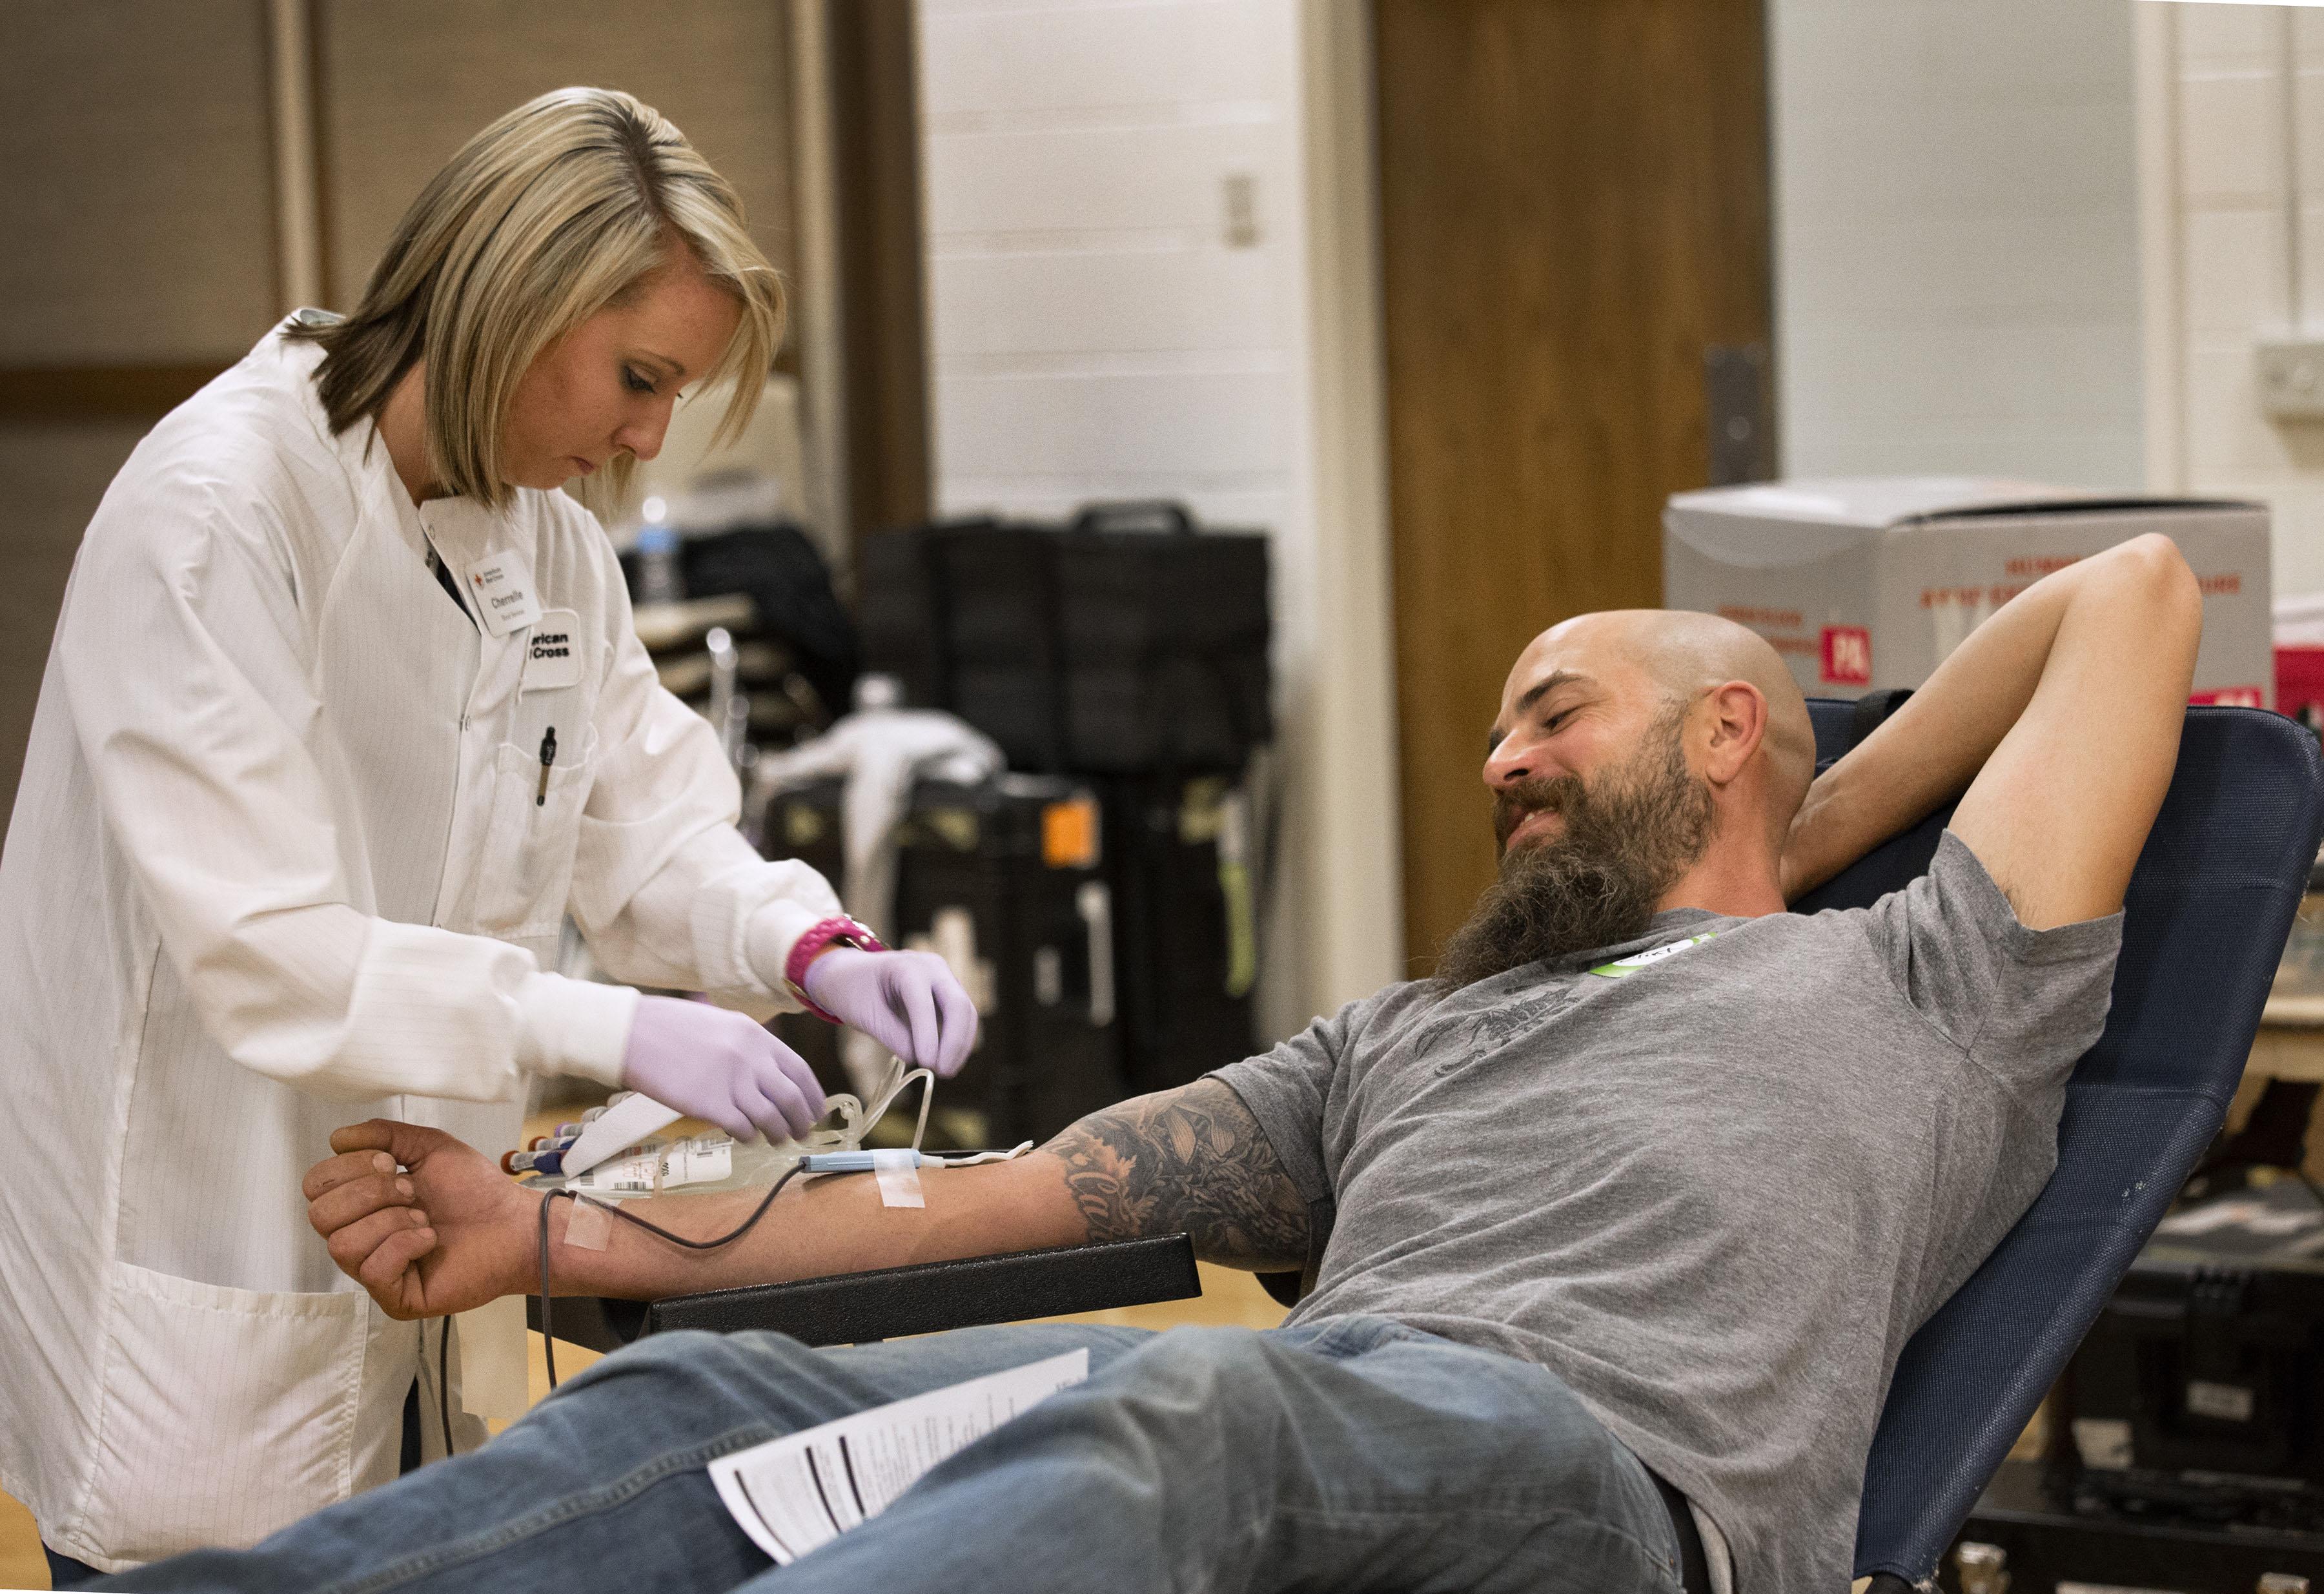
2208, 909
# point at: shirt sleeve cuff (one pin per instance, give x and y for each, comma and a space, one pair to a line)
574, 1026
774, 930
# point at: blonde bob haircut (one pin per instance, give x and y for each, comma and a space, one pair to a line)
544, 219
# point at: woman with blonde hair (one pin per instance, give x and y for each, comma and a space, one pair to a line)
344, 716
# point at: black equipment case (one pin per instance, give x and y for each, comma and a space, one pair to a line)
793, 606
1125, 643
2209, 1361
1185, 887
2189, 1455
803, 823
1006, 880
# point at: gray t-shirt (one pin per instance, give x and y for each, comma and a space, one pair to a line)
1714, 1190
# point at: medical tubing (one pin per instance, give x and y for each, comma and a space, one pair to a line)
548, 1339
444, 1381
926, 1076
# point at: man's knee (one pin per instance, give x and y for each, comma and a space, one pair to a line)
1232, 1383
1223, 1362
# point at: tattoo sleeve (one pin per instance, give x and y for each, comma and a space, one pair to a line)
1192, 1160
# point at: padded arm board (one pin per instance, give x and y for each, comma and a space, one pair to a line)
858, 1307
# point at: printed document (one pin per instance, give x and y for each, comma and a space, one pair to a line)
803, 1490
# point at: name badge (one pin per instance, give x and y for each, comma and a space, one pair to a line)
552, 653
1623, 968
500, 586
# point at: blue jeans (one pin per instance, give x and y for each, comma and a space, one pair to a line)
65, 1572
1351, 1453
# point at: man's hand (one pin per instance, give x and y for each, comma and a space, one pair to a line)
450, 1233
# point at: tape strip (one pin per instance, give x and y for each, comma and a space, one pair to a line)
589, 1226
899, 1178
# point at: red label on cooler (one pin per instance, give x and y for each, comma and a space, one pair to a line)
2230, 696
1847, 656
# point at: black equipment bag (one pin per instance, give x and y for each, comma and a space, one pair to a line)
1006, 878
1125, 643
804, 823
790, 587
1185, 889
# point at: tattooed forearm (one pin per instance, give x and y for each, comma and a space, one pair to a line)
1192, 1160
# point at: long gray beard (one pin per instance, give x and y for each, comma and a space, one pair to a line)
1597, 882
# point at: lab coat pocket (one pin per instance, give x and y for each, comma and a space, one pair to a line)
527, 869
225, 1413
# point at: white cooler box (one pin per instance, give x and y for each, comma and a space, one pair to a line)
1871, 583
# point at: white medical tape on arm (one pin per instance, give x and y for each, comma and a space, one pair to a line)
899, 1178
588, 1227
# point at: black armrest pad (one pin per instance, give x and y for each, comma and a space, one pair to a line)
594, 1322
856, 1307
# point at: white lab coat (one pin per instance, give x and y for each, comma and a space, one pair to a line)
277, 864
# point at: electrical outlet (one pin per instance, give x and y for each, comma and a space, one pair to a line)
1240, 192
2292, 378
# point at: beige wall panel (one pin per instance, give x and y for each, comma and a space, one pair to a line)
50, 479
405, 83
139, 182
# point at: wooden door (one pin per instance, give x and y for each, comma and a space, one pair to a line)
1574, 210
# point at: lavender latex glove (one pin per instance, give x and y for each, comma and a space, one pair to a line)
721, 1066
908, 1002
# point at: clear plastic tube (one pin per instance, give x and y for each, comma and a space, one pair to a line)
692, 1165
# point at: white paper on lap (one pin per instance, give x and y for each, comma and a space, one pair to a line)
796, 1493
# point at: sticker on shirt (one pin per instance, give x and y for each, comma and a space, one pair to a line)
552, 653
1623, 968
500, 586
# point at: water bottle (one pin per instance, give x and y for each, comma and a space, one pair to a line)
659, 578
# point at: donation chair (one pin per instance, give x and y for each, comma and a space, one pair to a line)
2210, 907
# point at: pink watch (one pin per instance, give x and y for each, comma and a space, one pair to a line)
843, 931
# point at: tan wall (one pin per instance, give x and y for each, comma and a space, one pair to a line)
403, 83
140, 190
138, 184
50, 479
2232, 99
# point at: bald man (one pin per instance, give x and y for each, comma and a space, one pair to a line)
1612, 1230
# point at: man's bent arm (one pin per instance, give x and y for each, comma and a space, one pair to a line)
1192, 1160
2061, 713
